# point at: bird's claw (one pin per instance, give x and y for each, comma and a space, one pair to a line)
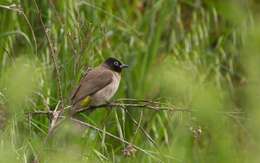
108, 104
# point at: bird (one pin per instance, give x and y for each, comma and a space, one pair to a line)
98, 86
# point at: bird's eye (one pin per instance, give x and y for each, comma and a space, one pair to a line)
116, 63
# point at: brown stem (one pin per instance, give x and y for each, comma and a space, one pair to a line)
59, 112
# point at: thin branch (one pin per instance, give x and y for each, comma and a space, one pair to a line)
137, 100
58, 113
52, 51
145, 105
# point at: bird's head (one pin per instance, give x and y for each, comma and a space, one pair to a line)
114, 64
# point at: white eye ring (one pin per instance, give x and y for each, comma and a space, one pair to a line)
116, 63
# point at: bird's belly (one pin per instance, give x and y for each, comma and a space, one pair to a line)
104, 95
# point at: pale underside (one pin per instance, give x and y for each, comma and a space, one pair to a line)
104, 95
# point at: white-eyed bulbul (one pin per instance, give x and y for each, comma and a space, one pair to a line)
99, 85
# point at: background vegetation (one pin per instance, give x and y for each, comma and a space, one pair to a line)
201, 55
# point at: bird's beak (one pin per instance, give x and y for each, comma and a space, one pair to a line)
123, 66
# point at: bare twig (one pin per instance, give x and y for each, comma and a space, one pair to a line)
138, 104
137, 100
60, 111
145, 104
155, 106
53, 56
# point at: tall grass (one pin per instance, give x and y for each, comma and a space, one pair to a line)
194, 54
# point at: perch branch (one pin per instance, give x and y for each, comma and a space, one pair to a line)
152, 105
145, 104
58, 114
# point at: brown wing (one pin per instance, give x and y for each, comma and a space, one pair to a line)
94, 81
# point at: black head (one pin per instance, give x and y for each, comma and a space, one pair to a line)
114, 64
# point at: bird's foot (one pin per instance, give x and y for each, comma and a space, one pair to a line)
108, 104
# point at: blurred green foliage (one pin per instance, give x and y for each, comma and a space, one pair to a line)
200, 55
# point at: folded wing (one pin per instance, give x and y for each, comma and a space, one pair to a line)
94, 81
